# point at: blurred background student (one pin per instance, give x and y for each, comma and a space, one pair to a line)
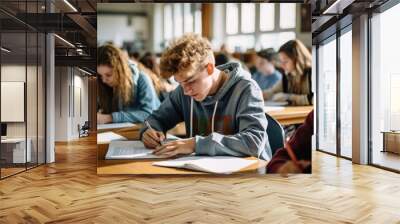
161, 85
124, 93
267, 74
295, 86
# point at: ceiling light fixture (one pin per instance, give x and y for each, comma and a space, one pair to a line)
71, 6
86, 72
5, 49
337, 7
65, 41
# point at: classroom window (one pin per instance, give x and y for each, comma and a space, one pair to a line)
197, 21
168, 25
248, 18
241, 42
385, 85
232, 18
178, 22
327, 96
346, 94
267, 16
287, 14
275, 40
188, 18
262, 27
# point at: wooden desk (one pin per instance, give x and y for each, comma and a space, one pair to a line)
291, 114
140, 167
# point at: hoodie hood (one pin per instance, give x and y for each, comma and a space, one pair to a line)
235, 73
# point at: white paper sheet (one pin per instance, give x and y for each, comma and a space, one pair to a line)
269, 109
108, 136
210, 164
114, 125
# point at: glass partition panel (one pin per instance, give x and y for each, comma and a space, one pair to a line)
385, 89
327, 96
346, 94
14, 150
31, 98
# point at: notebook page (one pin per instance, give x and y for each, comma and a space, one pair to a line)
108, 136
129, 150
115, 125
270, 108
210, 164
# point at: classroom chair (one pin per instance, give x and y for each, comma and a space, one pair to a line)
276, 134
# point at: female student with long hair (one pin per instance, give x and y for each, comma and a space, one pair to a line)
124, 93
295, 86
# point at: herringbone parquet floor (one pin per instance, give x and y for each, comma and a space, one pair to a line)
69, 191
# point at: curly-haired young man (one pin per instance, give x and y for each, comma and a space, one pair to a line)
222, 107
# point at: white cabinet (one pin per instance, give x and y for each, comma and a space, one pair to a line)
16, 148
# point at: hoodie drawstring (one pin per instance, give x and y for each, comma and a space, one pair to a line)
191, 117
213, 116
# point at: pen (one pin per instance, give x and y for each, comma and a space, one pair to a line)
149, 127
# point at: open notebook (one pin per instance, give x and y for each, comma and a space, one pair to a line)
115, 125
209, 164
132, 149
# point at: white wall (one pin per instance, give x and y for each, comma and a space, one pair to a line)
120, 28
71, 96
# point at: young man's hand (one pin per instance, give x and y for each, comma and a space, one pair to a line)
178, 147
152, 138
103, 118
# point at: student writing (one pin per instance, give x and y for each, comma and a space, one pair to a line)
295, 86
124, 93
222, 107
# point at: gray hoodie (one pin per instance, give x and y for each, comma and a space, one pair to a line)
232, 122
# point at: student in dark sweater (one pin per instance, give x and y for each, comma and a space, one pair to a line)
300, 145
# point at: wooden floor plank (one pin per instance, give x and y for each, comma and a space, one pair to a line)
70, 191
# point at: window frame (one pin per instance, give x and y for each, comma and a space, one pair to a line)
334, 37
183, 10
257, 33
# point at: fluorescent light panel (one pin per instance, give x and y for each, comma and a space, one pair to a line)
71, 6
64, 40
86, 72
331, 7
5, 50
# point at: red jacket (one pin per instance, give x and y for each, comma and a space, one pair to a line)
300, 143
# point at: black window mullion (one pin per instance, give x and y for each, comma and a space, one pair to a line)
317, 96
1, 163
369, 96
37, 91
338, 95
26, 86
